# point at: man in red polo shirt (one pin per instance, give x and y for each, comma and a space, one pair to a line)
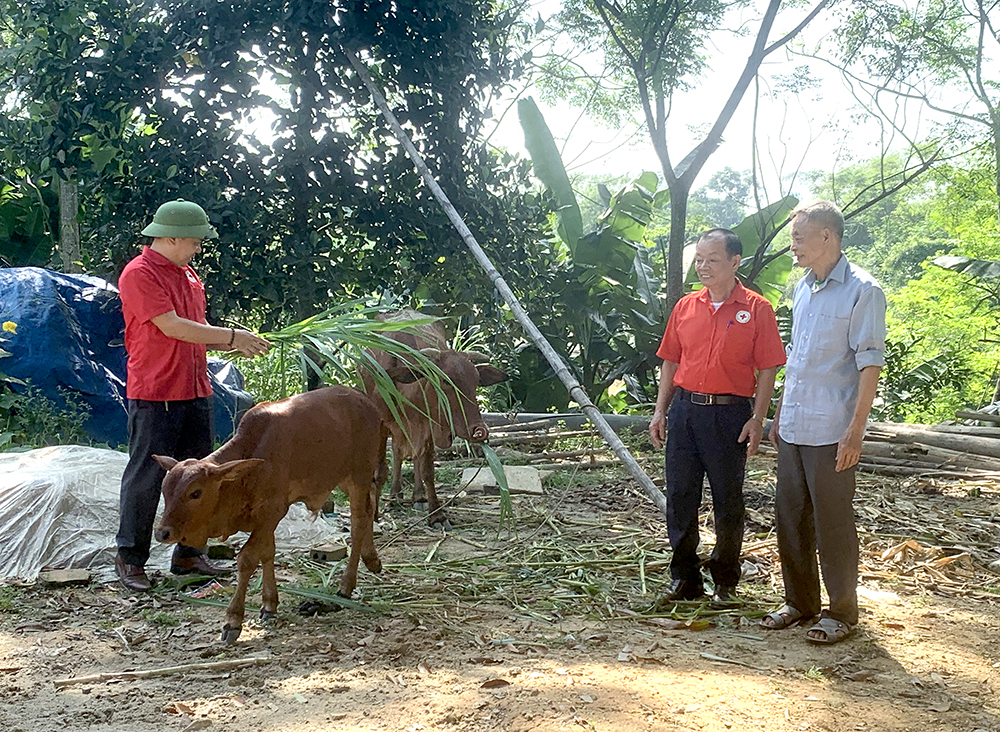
721, 351
168, 389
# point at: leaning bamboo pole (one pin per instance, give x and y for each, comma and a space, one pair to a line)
576, 391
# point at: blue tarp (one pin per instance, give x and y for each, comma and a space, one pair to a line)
70, 333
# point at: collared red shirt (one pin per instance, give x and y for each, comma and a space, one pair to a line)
162, 368
838, 328
719, 351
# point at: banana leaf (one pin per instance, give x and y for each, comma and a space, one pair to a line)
548, 166
982, 268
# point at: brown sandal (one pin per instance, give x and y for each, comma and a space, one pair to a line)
784, 617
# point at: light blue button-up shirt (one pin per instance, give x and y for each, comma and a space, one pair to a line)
838, 328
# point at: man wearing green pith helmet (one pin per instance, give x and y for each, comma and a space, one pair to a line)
168, 389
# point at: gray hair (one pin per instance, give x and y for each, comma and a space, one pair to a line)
824, 213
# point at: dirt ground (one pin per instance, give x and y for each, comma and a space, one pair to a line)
544, 624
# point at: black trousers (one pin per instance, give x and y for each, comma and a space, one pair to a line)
702, 440
181, 430
814, 510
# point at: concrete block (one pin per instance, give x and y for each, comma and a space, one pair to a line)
64, 577
521, 479
328, 553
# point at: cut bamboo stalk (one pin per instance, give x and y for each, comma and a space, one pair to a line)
576, 391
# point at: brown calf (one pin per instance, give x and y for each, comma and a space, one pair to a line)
427, 420
296, 449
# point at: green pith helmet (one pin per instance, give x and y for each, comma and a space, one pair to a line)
181, 219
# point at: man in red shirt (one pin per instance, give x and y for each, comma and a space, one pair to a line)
168, 389
721, 351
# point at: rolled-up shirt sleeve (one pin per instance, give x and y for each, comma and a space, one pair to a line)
867, 329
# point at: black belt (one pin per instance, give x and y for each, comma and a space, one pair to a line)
710, 399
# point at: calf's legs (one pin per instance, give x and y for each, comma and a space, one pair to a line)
259, 549
423, 476
361, 496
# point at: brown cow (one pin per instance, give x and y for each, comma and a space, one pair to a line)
296, 449
427, 421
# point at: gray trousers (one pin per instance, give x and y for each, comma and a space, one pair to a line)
814, 510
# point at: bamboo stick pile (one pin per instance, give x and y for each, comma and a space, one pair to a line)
890, 448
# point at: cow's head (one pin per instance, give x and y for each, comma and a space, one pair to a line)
191, 497
460, 414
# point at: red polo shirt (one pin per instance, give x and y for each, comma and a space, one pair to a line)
718, 351
162, 368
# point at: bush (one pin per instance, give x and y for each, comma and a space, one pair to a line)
30, 419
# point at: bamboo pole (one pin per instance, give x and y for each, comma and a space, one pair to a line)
576, 391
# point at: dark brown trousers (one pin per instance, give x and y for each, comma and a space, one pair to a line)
814, 510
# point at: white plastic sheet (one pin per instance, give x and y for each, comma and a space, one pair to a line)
59, 510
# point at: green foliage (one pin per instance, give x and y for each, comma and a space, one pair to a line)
892, 237
162, 618
29, 419
11, 599
144, 101
915, 390
660, 41
605, 315
548, 166
897, 42
496, 467
936, 314
26, 226
720, 203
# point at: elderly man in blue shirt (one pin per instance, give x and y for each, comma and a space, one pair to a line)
834, 359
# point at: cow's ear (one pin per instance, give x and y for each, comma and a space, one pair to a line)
403, 374
236, 469
165, 462
490, 375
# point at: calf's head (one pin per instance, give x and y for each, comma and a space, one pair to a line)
191, 490
458, 413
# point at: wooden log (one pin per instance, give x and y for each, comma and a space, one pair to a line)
913, 433
927, 472
967, 429
916, 452
962, 414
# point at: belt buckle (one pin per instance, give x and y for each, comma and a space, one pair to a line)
702, 400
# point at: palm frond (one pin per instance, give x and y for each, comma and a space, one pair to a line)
343, 338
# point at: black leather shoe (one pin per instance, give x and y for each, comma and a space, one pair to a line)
725, 596
682, 590
132, 576
198, 564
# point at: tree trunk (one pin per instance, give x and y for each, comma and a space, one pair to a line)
69, 227
995, 119
679, 192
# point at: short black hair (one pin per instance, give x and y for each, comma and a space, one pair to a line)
733, 244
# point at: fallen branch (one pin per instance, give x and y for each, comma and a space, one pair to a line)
167, 671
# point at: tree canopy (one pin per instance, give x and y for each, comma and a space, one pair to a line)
144, 101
